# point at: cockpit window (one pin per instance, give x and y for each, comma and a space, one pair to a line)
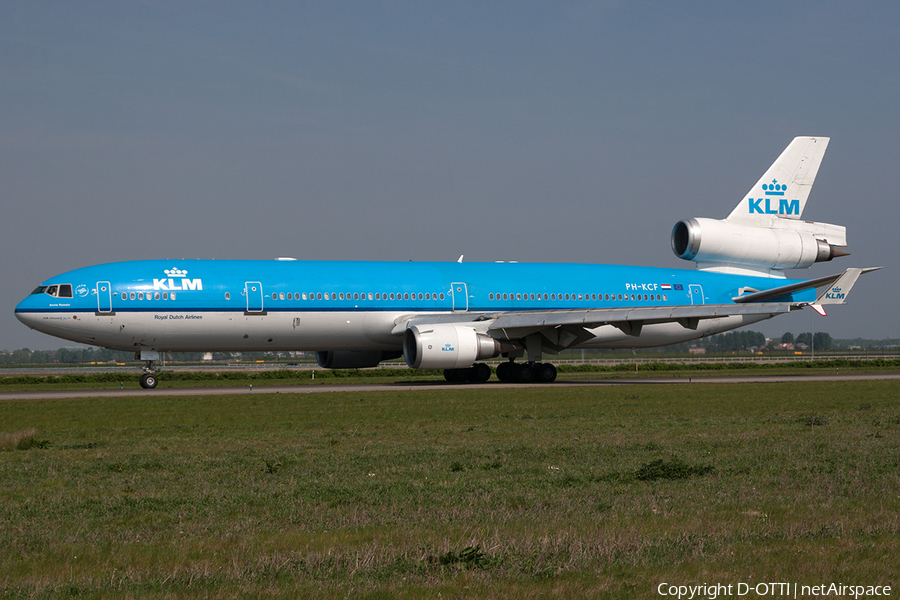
63, 290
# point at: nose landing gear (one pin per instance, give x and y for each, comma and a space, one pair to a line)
149, 380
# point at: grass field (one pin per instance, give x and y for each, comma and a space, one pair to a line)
472, 493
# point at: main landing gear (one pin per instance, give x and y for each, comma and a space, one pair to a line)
531, 372
508, 372
477, 373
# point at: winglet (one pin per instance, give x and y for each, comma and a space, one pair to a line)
837, 292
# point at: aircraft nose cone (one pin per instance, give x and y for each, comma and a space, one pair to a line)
23, 315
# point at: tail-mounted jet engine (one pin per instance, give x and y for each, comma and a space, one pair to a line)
786, 244
446, 347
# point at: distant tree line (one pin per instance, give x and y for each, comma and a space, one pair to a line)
819, 341
24, 356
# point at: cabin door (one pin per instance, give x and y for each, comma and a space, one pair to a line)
460, 295
104, 297
254, 293
696, 294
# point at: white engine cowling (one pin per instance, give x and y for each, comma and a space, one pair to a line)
723, 242
352, 359
446, 346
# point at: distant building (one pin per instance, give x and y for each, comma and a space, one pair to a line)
696, 350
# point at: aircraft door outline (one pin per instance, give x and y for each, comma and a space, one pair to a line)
104, 297
696, 292
254, 292
459, 293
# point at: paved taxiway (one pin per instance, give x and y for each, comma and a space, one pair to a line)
427, 385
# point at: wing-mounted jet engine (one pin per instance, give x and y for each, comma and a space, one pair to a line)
764, 232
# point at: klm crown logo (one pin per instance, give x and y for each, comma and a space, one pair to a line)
767, 205
176, 272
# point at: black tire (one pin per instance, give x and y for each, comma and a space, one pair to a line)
506, 372
546, 373
525, 374
479, 373
149, 381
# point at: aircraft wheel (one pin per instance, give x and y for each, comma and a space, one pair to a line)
479, 373
546, 373
506, 372
149, 381
525, 374
451, 375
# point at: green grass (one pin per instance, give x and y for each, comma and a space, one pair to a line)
525, 493
282, 377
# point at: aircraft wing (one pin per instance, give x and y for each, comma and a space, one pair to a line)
519, 324
564, 328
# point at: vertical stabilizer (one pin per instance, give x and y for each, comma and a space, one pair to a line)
783, 189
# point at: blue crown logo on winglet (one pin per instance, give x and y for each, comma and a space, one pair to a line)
774, 188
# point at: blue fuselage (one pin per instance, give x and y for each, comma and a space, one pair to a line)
212, 305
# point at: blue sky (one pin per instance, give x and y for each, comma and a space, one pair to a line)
550, 132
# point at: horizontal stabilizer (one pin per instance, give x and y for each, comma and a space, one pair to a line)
839, 286
838, 291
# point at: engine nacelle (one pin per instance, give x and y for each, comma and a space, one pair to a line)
786, 246
446, 346
352, 359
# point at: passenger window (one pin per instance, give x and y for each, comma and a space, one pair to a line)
165, 295
442, 295
131, 296
227, 296
172, 295
156, 296
140, 295
319, 296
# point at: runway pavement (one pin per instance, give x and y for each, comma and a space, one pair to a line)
164, 390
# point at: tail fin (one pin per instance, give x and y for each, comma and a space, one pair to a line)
783, 189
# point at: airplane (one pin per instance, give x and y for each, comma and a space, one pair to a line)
452, 315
